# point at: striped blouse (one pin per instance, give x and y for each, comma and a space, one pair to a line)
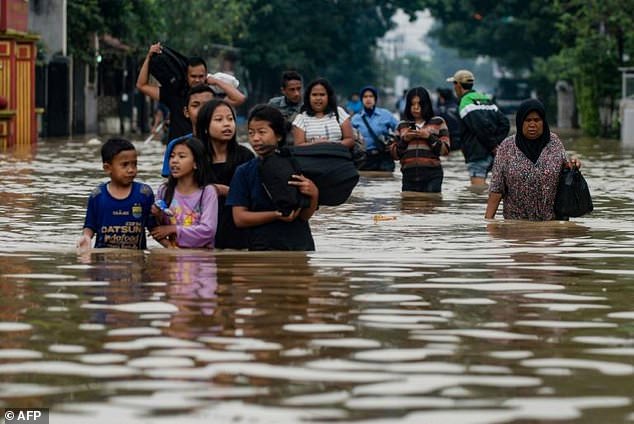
326, 128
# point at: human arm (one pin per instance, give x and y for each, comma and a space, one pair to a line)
85, 239
245, 218
143, 80
308, 188
439, 136
346, 134
299, 136
492, 204
164, 234
234, 96
222, 189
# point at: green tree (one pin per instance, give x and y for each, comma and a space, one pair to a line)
512, 31
329, 38
204, 27
134, 23
84, 19
596, 39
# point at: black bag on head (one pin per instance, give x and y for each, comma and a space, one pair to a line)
169, 68
329, 166
275, 173
573, 195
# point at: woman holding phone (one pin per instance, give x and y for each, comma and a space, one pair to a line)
422, 139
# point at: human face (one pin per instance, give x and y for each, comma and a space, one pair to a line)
533, 126
293, 91
318, 98
222, 126
416, 108
457, 88
196, 101
182, 163
196, 75
368, 100
262, 137
122, 168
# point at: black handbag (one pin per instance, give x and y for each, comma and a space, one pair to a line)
573, 195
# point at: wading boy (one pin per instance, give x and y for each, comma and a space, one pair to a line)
118, 210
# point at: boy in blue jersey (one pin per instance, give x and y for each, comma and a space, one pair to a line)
118, 211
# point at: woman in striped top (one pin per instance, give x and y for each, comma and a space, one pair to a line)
423, 138
321, 120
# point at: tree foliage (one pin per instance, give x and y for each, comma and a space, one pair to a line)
135, 23
329, 38
512, 31
84, 19
596, 39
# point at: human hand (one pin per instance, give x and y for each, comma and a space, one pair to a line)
84, 242
304, 185
409, 135
290, 217
155, 48
423, 132
573, 163
156, 212
162, 231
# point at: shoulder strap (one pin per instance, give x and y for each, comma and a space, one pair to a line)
367, 124
200, 199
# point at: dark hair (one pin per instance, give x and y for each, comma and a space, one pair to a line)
201, 160
202, 132
113, 147
290, 76
426, 108
196, 61
273, 116
331, 107
200, 88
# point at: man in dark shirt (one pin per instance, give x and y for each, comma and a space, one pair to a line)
175, 100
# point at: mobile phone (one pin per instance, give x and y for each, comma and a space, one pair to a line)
411, 125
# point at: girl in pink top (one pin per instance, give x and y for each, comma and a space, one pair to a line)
189, 214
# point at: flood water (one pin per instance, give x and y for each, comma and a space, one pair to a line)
431, 315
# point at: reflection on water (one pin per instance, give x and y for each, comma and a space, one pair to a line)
432, 315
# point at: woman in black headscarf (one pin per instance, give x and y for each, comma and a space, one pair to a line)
527, 167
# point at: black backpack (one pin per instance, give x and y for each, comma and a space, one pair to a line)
329, 166
169, 68
275, 173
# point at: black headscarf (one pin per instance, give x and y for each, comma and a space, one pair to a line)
531, 148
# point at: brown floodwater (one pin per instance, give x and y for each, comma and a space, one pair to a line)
429, 314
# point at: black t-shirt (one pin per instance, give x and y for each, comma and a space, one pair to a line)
175, 101
228, 236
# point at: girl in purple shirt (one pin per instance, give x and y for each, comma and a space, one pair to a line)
189, 215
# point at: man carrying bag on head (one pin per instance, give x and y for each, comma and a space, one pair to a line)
375, 125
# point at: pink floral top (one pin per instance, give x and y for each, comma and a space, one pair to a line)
528, 189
